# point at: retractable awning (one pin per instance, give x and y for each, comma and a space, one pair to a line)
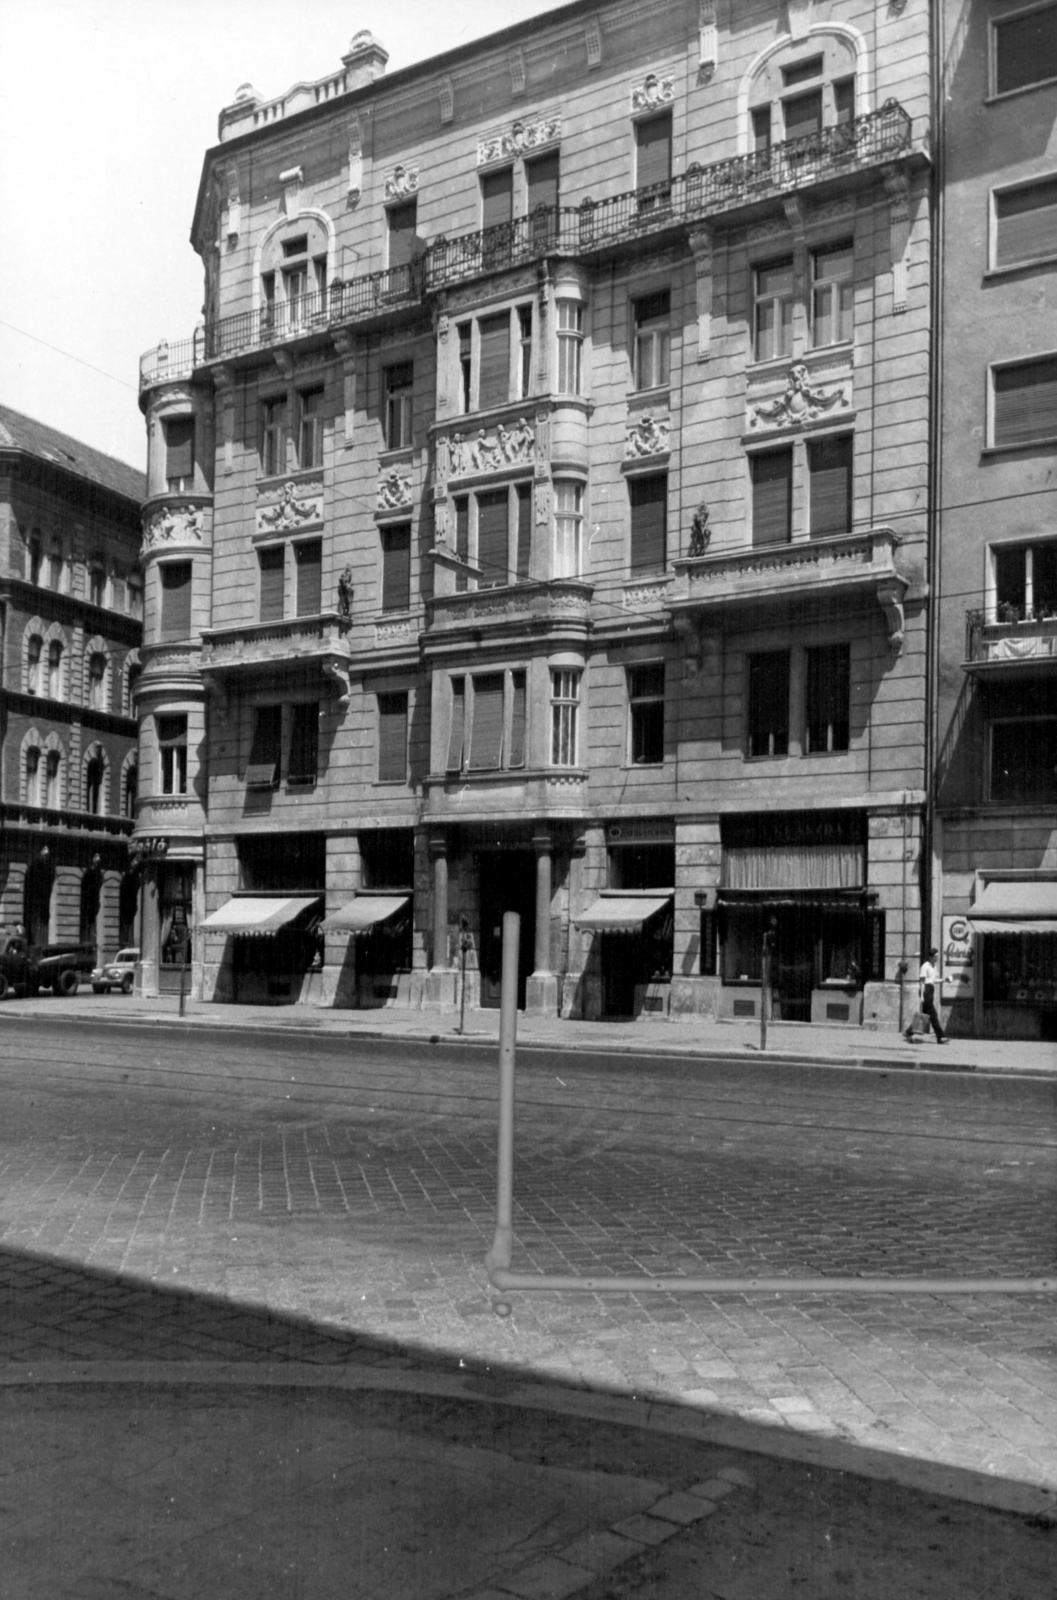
258, 915
363, 912
1016, 906
621, 913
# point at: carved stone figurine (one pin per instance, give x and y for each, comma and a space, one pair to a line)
345, 593
700, 532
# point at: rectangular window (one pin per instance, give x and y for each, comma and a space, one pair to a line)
295, 293
767, 732
761, 129
829, 465
524, 333
542, 177
402, 223
273, 436
262, 769
570, 347
653, 161
180, 454
308, 555
1025, 226
392, 737
1024, 402
649, 523
175, 599
1025, 49
97, 584
304, 742
486, 733
466, 365
272, 563
310, 429
773, 310
568, 528
646, 714
802, 71
516, 755
172, 750
651, 315
398, 382
1025, 581
565, 718
493, 363
772, 496
523, 542
396, 567
832, 294
828, 698
462, 540
1024, 761
493, 539
844, 101
802, 115
457, 726
497, 198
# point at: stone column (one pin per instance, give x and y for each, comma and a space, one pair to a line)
147, 976
441, 978
541, 991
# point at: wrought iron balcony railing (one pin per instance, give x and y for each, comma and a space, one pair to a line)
1007, 637
589, 228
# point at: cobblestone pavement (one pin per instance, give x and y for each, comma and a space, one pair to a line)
350, 1194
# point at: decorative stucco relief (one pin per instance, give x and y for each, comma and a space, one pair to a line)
394, 491
489, 452
645, 596
183, 526
401, 183
504, 144
649, 436
294, 505
800, 402
653, 92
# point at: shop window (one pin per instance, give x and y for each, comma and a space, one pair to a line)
1024, 224
308, 567
487, 726
827, 699
772, 496
34, 651
388, 858
97, 681
172, 751
396, 567
495, 359
1024, 50
767, 732
773, 310
565, 717
304, 742
648, 499
570, 347
1024, 402
653, 162
55, 670
641, 865
1020, 969
1024, 761
1025, 581
402, 223
398, 382
175, 579
175, 909
646, 714
568, 528
829, 470
273, 436
266, 748
271, 562
392, 737
651, 318
708, 945
832, 293
179, 454
310, 429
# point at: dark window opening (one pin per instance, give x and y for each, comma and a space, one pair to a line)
768, 708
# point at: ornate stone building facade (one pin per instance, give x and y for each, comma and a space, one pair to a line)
552, 537
71, 610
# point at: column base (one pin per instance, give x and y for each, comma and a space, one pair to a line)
541, 994
441, 989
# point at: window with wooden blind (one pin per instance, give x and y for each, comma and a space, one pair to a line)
487, 722
461, 506
271, 561
497, 197
767, 711
523, 531
486, 728
304, 742
648, 499
396, 567
646, 714
493, 361
179, 454
402, 223
772, 496
542, 176
308, 557
653, 161
1025, 224
493, 539
456, 726
392, 737
829, 467
175, 577
273, 436
802, 114
310, 428
516, 752
262, 768
1024, 50
1024, 402
827, 700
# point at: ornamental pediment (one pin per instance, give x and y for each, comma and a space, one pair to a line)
290, 507
520, 137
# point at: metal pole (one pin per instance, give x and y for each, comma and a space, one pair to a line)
499, 1256
502, 1278
464, 940
765, 985
183, 978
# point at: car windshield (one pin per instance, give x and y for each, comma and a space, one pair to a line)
127, 956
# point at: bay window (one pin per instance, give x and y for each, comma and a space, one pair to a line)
568, 528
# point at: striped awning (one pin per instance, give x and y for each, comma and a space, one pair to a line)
621, 913
1016, 906
363, 912
258, 914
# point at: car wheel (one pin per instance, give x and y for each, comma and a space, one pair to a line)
67, 983
126, 983
5, 987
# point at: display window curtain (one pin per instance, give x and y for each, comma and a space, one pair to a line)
524, 531
403, 225
180, 448
309, 554
541, 182
497, 197
457, 726
1025, 401
517, 720
1026, 223
304, 742
273, 567
266, 747
493, 372
794, 851
492, 539
396, 568
649, 522
772, 497
486, 734
175, 599
392, 737
654, 151
830, 469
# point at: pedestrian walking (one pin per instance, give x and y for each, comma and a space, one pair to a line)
928, 978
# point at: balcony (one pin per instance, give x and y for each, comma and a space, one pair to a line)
723, 190
467, 796
308, 640
558, 607
1004, 644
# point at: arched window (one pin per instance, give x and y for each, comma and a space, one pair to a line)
55, 670
94, 782
33, 776
51, 780
34, 652
36, 555
97, 681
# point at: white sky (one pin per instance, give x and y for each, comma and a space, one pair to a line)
106, 110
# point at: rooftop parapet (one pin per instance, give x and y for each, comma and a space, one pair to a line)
364, 62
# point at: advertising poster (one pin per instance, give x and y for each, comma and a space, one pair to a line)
957, 965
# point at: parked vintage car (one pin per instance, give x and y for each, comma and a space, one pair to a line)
117, 974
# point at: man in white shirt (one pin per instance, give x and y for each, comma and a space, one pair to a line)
928, 978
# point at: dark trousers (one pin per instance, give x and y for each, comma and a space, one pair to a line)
928, 1009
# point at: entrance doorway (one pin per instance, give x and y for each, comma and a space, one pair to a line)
506, 882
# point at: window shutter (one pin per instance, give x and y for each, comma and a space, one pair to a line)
493, 372
176, 600
772, 497
524, 531
309, 554
649, 521
273, 571
1026, 49
654, 148
179, 447
829, 468
458, 723
1026, 402
486, 735
493, 548
462, 539
803, 115
262, 770
541, 180
396, 568
517, 721
497, 197
304, 743
392, 737
1026, 223
403, 227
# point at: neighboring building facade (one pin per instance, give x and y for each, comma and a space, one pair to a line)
538, 522
995, 845
71, 610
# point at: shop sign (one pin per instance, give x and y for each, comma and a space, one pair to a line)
957, 962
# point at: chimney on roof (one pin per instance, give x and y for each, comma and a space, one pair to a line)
365, 60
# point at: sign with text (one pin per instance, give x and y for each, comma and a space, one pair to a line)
957, 967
